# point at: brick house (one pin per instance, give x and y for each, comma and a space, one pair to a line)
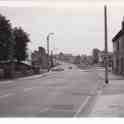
118, 51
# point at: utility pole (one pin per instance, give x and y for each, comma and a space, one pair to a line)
106, 45
48, 49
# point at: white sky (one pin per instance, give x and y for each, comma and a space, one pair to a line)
78, 26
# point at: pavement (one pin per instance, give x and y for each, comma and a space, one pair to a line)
110, 101
68, 93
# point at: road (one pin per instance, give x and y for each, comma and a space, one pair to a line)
68, 93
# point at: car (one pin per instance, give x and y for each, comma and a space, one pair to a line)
109, 69
70, 67
57, 69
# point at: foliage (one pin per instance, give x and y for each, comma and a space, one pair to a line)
96, 55
6, 40
21, 40
77, 60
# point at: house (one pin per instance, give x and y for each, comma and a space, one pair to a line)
118, 51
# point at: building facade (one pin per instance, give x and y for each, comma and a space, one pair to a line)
66, 57
118, 51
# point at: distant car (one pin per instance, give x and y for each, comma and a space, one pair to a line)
70, 67
109, 69
57, 69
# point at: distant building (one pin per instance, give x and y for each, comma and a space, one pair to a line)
118, 51
84, 59
66, 57
39, 58
77, 60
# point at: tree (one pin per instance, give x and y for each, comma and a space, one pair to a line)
77, 60
96, 55
13, 44
21, 40
6, 40
6, 46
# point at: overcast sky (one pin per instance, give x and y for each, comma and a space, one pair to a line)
78, 26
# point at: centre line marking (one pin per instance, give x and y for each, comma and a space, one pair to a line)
27, 89
31, 88
44, 110
6, 82
7, 95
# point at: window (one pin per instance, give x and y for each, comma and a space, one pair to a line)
117, 45
117, 63
114, 46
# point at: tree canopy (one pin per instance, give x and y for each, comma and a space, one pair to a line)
13, 41
96, 55
21, 40
77, 60
5, 38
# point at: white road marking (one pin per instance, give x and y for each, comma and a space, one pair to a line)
86, 101
7, 95
31, 88
82, 106
44, 110
6, 82
28, 89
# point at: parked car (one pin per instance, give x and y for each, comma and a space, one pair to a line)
70, 67
57, 69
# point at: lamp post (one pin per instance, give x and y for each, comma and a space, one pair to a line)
106, 45
48, 49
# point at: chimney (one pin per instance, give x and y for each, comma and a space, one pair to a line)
122, 24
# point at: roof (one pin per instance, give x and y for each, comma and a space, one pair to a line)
119, 34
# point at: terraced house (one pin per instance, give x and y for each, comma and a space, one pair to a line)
118, 51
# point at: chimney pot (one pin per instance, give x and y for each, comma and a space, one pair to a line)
123, 23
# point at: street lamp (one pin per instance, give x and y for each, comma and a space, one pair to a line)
48, 48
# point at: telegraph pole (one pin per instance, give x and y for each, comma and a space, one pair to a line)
106, 45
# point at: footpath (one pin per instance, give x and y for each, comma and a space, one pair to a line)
110, 101
32, 77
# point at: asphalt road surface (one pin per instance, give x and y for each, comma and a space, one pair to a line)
68, 93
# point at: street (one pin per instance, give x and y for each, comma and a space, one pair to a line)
68, 93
